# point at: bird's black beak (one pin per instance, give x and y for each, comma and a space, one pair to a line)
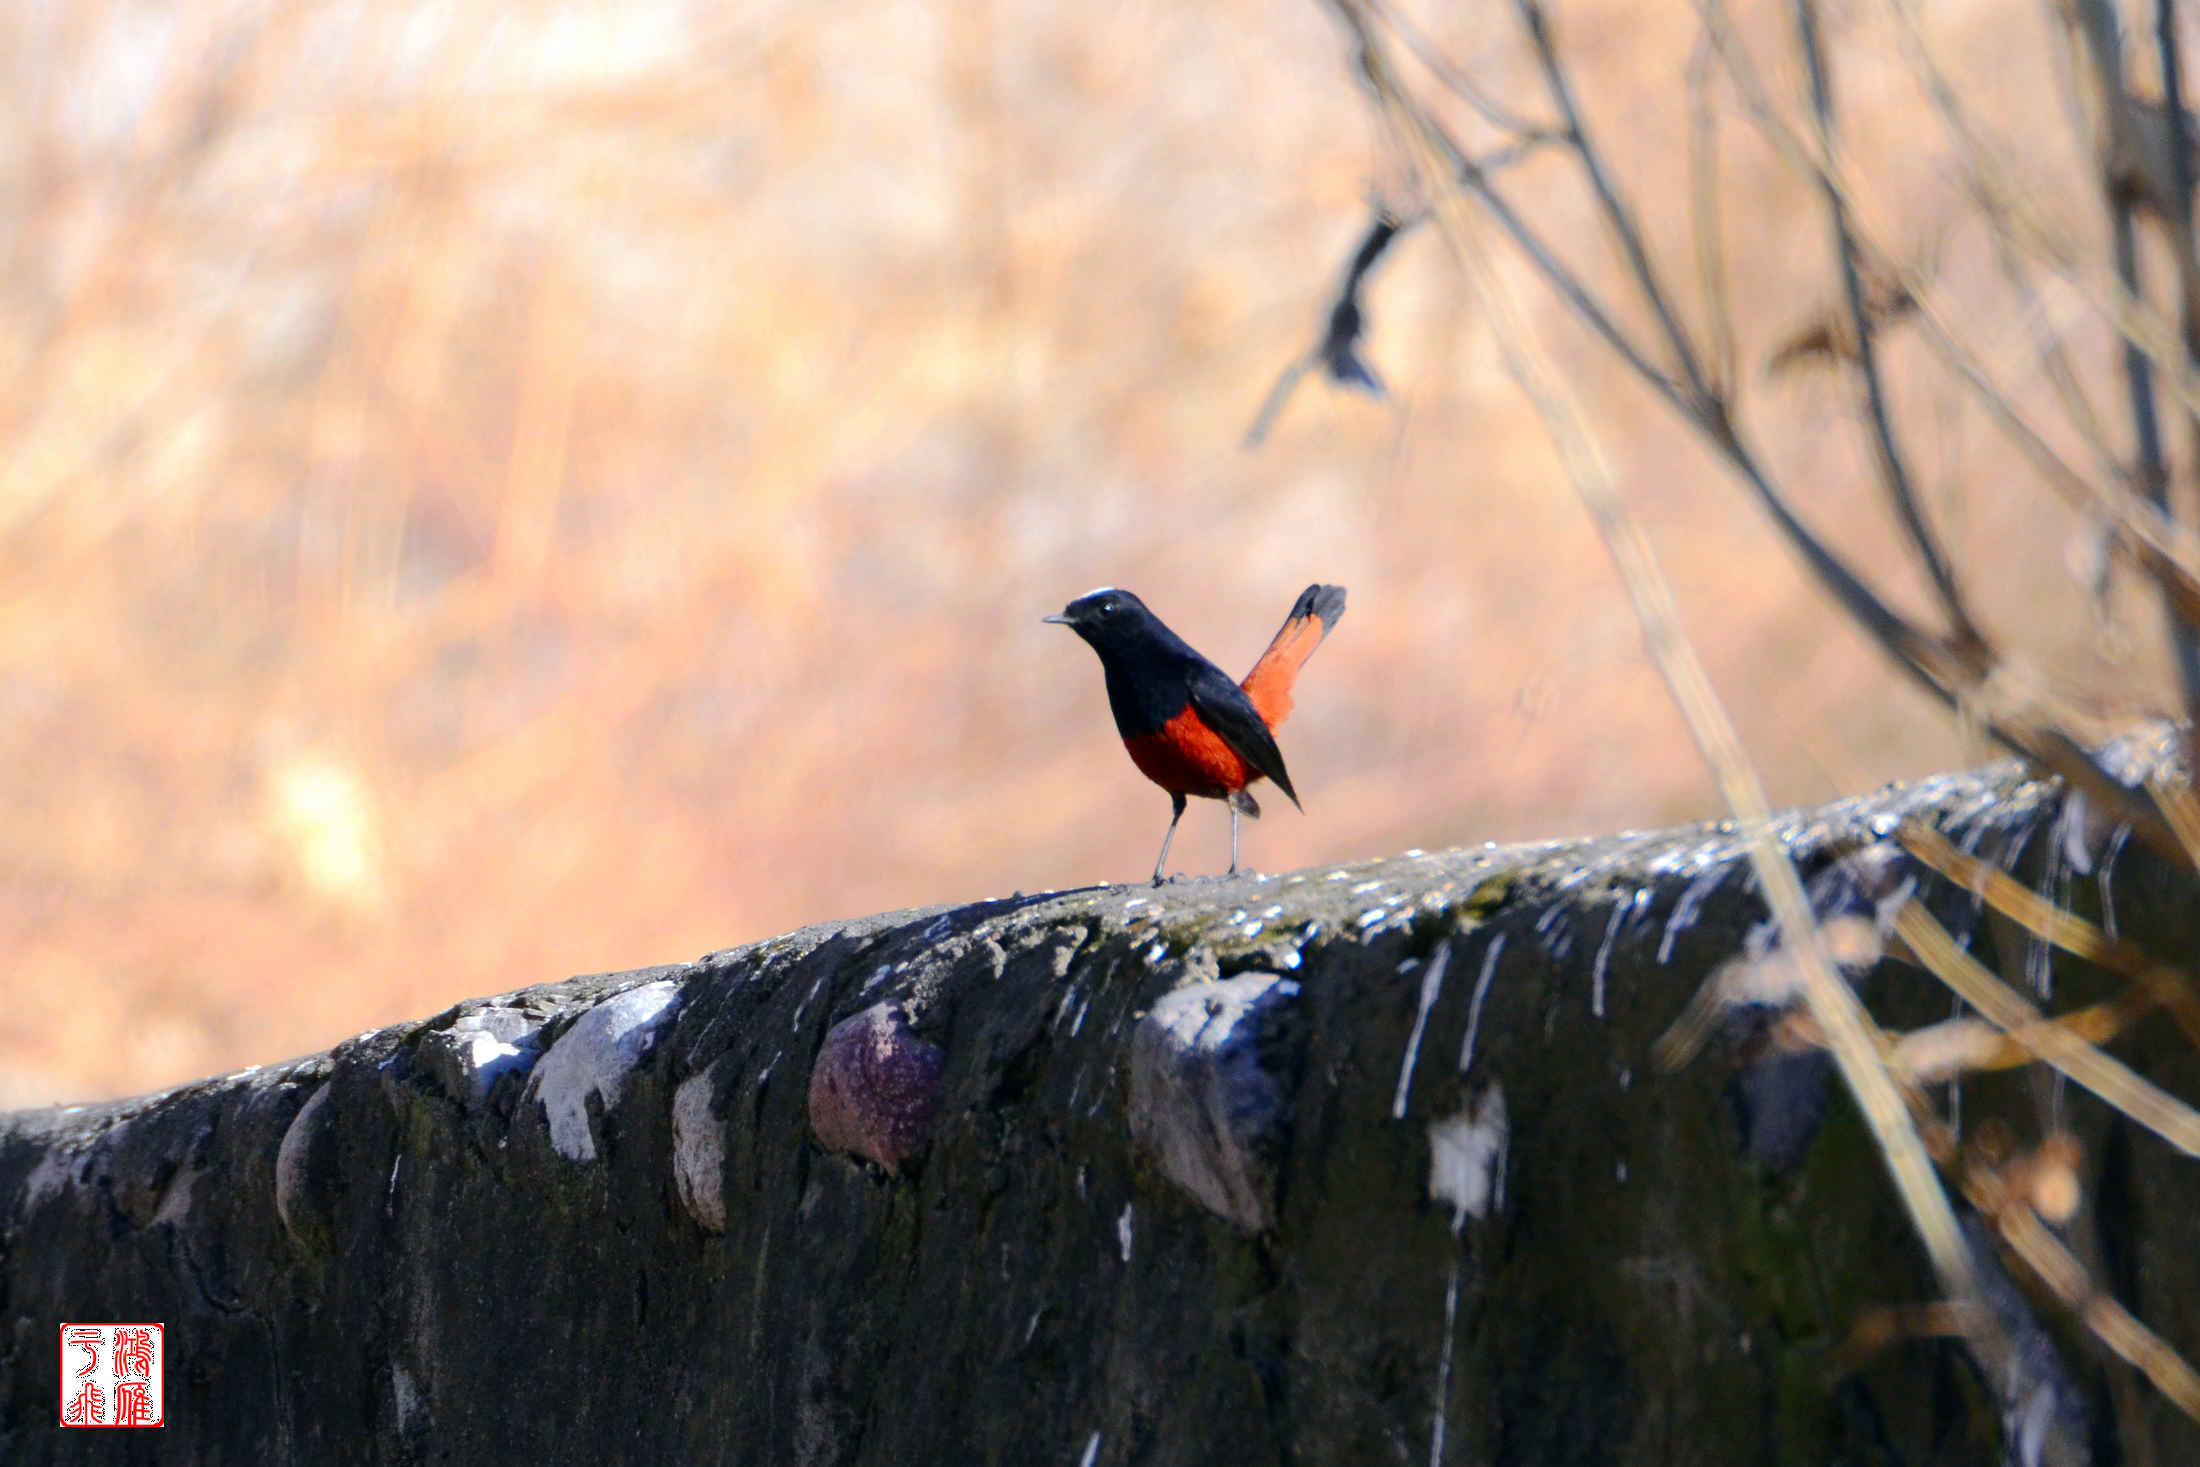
1058, 620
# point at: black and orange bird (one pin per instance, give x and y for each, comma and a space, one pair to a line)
1187, 727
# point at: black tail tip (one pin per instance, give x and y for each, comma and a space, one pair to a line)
1326, 602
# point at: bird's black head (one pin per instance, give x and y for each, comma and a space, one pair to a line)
1108, 618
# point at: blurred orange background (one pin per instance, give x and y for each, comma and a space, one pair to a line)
496, 491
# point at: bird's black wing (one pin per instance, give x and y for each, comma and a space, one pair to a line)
1226, 710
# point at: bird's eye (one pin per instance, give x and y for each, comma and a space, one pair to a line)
1107, 608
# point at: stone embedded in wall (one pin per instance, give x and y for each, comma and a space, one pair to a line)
1203, 1103
699, 1147
480, 1047
875, 1087
594, 1058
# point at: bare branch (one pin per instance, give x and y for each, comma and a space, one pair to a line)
1561, 278
2140, 171
1958, 681
1893, 471
2160, 982
2110, 1079
2114, 1325
1958, 676
2134, 161
2144, 533
2047, 342
1616, 213
1703, 208
1957, 1047
1425, 51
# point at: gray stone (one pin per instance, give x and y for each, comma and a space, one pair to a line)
699, 1149
1202, 1100
591, 1061
302, 1198
480, 1047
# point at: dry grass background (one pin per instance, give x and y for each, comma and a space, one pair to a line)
491, 491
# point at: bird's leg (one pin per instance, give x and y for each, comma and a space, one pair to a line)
1233, 838
1176, 813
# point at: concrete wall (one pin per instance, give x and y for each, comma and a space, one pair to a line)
1357, 1165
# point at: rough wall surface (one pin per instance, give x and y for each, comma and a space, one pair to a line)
1356, 1165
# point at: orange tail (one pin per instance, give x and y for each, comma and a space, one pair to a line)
1317, 610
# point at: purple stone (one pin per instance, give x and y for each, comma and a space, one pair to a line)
875, 1087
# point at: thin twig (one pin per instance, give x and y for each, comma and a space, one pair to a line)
1953, 1047
2145, 532
1560, 277
1958, 676
1616, 213
2163, 983
2146, 426
2046, 746
1894, 471
2047, 343
2110, 1079
2148, 537
1703, 213
1455, 79
2116, 1326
